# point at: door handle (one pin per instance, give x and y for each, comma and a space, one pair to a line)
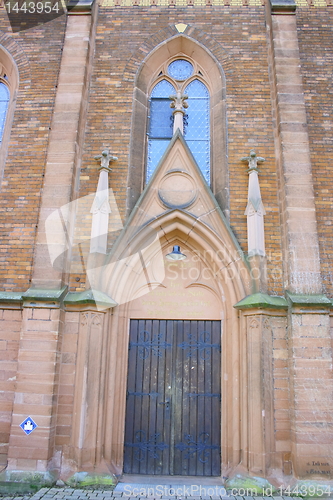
166, 403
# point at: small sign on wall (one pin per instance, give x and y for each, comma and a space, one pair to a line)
28, 425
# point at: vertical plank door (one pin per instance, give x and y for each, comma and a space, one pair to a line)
173, 412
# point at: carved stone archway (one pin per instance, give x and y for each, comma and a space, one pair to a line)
176, 208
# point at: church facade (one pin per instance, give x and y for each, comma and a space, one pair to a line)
166, 278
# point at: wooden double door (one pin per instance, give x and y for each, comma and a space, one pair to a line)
173, 409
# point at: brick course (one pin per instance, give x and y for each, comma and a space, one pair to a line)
38, 53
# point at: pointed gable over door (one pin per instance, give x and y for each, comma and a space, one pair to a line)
176, 207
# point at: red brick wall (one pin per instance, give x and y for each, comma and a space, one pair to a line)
315, 32
121, 31
22, 181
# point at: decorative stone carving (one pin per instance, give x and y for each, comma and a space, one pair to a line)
105, 158
84, 319
178, 103
253, 160
255, 210
177, 190
254, 323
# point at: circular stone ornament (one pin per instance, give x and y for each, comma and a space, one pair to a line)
177, 190
180, 69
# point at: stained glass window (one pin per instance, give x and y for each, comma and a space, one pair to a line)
197, 130
196, 126
4, 100
180, 69
160, 124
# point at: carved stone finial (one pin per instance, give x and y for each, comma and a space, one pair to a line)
105, 158
178, 102
253, 160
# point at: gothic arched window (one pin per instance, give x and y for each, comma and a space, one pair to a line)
197, 130
160, 124
4, 102
180, 61
196, 120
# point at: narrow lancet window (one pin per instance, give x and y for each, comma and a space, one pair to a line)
4, 101
160, 124
187, 104
196, 132
184, 70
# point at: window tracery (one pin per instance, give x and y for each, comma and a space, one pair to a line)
153, 69
186, 77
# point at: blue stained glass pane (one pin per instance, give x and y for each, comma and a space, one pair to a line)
201, 153
197, 119
156, 149
163, 89
197, 89
160, 119
160, 125
197, 130
4, 100
180, 69
4, 92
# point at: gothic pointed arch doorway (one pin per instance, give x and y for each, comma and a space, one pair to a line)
184, 309
173, 398
173, 394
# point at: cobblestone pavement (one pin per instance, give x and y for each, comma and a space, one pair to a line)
90, 494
